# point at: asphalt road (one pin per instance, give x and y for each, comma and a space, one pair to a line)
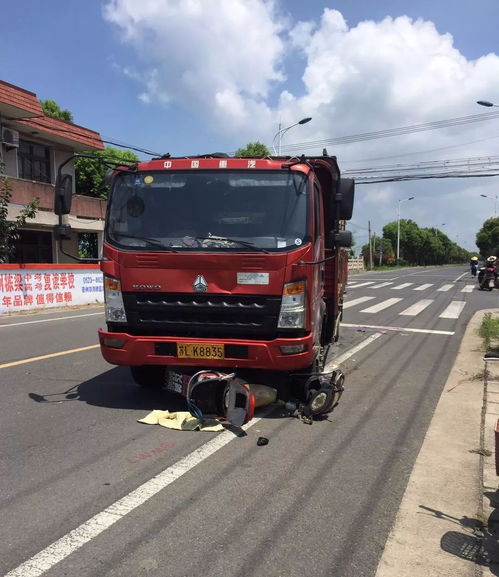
76, 467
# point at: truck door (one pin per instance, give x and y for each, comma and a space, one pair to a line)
319, 269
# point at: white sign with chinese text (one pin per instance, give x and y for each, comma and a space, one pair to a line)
25, 288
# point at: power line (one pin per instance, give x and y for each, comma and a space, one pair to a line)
343, 162
75, 132
390, 132
138, 149
318, 143
450, 168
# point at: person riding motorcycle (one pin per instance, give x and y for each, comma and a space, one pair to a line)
474, 265
487, 277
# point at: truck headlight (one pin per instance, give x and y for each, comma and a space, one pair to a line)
292, 314
115, 309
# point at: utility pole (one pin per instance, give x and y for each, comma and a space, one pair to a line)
398, 227
370, 246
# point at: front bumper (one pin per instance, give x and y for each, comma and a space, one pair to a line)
136, 350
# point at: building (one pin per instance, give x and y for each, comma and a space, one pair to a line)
33, 146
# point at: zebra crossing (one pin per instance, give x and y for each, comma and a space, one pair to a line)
443, 288
452, 311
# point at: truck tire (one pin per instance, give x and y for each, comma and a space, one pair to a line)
149, 376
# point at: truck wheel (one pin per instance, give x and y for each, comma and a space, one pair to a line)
149, 376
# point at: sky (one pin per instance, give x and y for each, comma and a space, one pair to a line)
199, 76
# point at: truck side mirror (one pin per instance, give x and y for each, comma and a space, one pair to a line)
62, 232
344, 197
63, 194
343, 238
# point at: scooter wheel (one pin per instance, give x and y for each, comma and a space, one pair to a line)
320, 401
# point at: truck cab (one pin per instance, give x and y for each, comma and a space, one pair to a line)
235, 264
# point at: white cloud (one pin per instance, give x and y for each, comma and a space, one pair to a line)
220, 56
226, 60
388, 74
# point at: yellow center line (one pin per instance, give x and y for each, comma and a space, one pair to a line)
59, 354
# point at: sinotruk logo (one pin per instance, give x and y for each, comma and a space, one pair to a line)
200, 285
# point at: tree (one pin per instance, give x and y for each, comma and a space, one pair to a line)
487, 238
382, 251
88, 245
51, 108
90, 172
253, 149
351, 251
424, 246
10, 230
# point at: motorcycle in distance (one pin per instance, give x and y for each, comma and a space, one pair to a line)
487, 275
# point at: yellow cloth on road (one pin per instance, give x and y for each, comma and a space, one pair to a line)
181, 421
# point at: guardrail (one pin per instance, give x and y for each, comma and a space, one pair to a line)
356, 265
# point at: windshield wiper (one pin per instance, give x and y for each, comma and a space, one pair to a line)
234, 240
149, 241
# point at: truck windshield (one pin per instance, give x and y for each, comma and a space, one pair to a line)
207, 210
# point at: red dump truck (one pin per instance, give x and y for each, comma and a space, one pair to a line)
231, 266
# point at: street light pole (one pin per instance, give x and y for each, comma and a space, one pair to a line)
488, 105
281, 131
398, 227
494, 198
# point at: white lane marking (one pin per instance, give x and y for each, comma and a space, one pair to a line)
401, 286
468, 288
381, 285
362, 284
445, 287
349, 304
416, 308
50, 320
381, 306
423, 287
397, 329
453, 310
72, 541
460, 277
345, 356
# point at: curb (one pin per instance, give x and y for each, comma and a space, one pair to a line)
490, 481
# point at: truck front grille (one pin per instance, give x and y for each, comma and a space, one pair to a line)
202, 315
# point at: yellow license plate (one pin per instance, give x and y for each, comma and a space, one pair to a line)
200, 351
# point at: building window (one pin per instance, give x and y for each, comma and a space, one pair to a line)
33, 246
34, 161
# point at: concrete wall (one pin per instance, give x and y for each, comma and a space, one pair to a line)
356, 265
23, 191
32, 287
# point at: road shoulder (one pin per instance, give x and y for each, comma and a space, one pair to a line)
439, 524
